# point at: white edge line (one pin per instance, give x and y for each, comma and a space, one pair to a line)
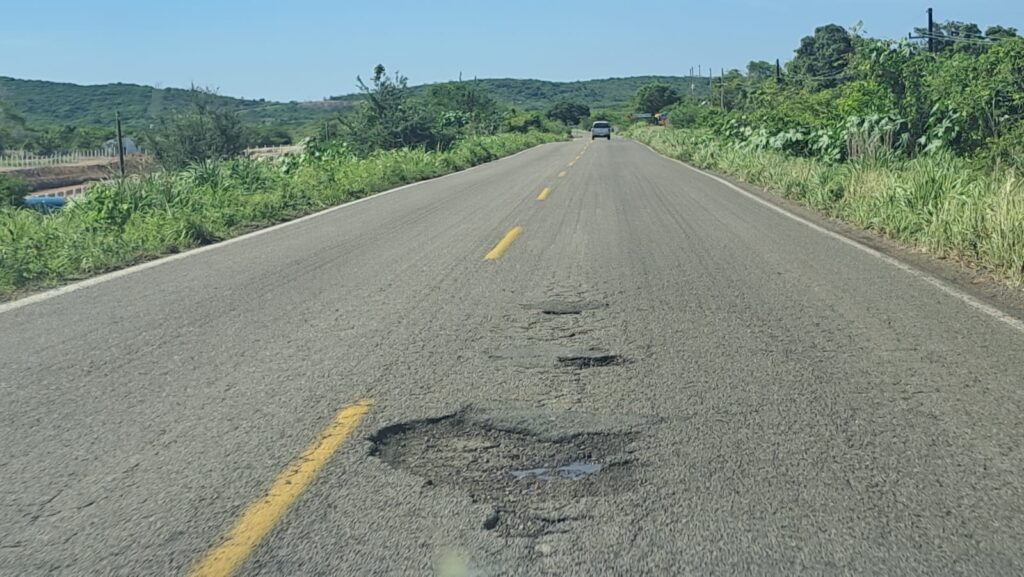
952, 291
106, 277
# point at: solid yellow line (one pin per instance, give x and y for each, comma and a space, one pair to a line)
544, 194
563, 173
261, 516
506, 242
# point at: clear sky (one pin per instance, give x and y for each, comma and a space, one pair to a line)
310, 49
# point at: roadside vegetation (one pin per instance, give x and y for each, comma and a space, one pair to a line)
206, 194
925, 147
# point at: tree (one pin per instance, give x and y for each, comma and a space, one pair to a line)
956, 36
205, 131
1000, 32
568, 113
459, 109
387, 118
652, 98
12, 126
760, 70
822, 59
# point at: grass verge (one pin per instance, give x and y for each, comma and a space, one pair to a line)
939, 203
121, 223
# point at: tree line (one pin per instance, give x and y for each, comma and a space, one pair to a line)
844, 94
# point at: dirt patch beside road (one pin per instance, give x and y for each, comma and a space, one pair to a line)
65, 175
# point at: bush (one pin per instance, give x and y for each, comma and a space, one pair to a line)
204, 132
12, 190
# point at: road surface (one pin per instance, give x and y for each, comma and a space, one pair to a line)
644, 373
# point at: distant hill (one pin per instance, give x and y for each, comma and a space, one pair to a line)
58, 103
604, 93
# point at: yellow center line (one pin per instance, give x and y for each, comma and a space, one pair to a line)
561, 174
544, 193
506, 242
572, 163
261, 516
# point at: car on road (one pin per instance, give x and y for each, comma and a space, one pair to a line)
601, 129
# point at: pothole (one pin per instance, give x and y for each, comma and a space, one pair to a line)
589, 361
546, 355
534, 466
560, 307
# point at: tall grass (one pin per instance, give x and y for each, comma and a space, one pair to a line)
940, 203
124, 222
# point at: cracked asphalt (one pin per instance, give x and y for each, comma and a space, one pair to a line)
781, 402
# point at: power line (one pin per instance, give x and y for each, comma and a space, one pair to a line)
945, 38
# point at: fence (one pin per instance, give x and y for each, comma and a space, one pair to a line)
271, 151
22, 159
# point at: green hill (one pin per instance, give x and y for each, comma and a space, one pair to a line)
603, 93
45, 103
59, 103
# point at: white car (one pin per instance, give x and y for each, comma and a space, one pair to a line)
601, 129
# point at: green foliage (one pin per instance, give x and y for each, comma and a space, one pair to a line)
124, 221
822, 58
540, 95
691, 113
525, 122
568, 113
387, 118
56, 104
12, 190
45, 103
392, 116
204, 132
461, 109
984, 94
760, 70
654, 97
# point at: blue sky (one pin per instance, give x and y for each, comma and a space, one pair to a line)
307, 50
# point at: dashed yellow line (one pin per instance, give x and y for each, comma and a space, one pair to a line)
500, 248
572, 163
544, 193
261, 516
563, 173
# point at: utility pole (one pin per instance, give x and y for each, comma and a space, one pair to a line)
120, 140
691, 82
721, 82
931, 32
778, 71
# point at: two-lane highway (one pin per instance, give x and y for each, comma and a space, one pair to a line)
585, 359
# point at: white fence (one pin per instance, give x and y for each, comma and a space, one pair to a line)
22, 159
271, 151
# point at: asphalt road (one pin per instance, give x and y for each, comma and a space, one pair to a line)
739, 394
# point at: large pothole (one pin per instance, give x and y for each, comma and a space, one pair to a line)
536, 467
